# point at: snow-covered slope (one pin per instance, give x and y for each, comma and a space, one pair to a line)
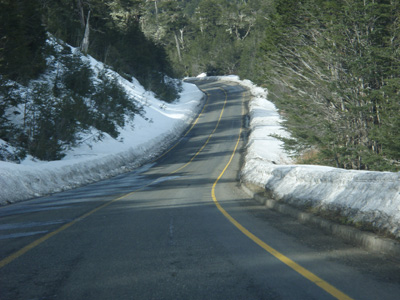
140, 140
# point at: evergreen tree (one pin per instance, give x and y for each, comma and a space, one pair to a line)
329, 64
115, 38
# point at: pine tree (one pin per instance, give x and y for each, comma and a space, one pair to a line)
330, 65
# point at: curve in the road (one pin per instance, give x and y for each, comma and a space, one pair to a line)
44, 238
287, 261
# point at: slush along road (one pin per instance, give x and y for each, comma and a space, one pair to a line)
180, 228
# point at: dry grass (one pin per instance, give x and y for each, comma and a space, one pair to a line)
309, 157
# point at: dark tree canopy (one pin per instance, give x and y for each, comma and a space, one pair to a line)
22, 40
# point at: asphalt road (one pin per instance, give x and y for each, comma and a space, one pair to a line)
180, 228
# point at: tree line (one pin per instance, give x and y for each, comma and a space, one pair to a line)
115, 38
332, 67
214, 36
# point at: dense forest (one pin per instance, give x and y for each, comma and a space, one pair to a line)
331, 67
113, 37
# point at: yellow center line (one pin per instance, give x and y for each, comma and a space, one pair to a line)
208, 139
304, 272
187, 132
284, 259
47, 236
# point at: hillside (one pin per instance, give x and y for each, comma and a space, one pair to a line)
94, 152
51, 96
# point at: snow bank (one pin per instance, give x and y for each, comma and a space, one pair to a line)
141, 140
366, 197
372, 197
362, 196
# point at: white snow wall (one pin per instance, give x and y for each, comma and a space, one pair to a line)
361, 196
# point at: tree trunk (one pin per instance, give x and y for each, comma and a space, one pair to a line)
178, 48
85, 42
81, 13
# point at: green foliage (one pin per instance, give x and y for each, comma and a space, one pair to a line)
41, 124
213, 36
190, 7
53, 113
209, 14
79, 77
332, 69
8, 101
115, 38
111, 105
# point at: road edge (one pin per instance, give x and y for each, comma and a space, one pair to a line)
367, 240
352, 235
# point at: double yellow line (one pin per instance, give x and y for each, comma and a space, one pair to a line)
287, 261
47, 236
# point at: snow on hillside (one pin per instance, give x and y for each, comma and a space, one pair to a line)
140, 140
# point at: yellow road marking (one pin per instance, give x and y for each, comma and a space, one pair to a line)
187, 132
37, 242
287, 261
208, 139
304, 272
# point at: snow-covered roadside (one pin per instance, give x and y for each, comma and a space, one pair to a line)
142, 139
371, 197
361, 196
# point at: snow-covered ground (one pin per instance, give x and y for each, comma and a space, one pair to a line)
372, 197
141, 139
362, 196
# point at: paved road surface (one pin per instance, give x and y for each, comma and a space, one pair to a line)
180, 228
